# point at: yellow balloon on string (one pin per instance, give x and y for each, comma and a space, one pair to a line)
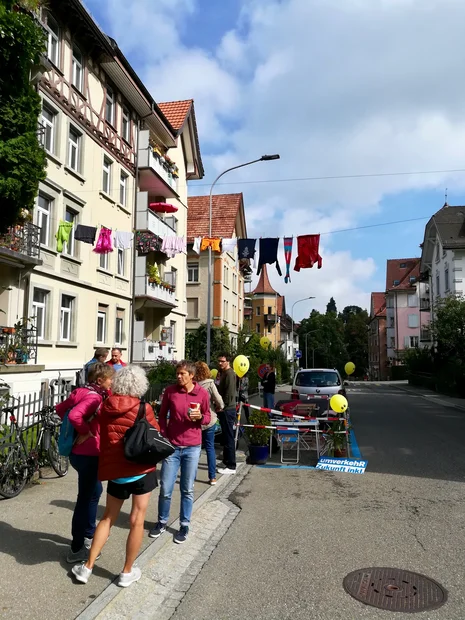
265, 342
241, 365
338, 403
349, 368
213, 373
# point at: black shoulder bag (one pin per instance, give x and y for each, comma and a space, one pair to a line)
143, 443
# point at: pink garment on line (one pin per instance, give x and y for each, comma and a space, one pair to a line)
173, 245
104, 245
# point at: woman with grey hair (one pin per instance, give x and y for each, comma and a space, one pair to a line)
125, 478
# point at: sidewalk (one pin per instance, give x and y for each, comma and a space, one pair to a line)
35, 537
440, 399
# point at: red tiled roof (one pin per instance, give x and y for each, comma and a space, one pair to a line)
263, 286
378, 304
396, 273
176, 112
225, 208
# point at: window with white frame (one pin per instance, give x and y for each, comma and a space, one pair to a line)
446, 277
77, 77
225, 275
49, 121
44, 208
119, 326
66, 317
413, 320
110, 106
411, 342
102, 323
74, 149
106, 178
225, 311
192, 272
69, 247
121, 261
126, 124
104, 261
39, 311
53, 42
123, 188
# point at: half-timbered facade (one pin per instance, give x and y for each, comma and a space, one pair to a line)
100, 129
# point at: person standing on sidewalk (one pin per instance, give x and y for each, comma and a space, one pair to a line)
227, 417
125, 478
116, 360
203, 376
188, 405
83, 404
269, 387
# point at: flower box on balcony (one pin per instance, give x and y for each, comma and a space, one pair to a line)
162, 343
9, 330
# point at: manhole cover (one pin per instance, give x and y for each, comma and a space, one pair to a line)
394, 589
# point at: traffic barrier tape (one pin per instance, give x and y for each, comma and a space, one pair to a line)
293, 428
290, 415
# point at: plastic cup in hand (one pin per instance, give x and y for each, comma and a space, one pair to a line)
194, 411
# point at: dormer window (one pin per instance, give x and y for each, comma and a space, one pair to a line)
403, 265
396, 282
412, 279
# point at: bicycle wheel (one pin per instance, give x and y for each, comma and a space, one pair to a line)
13, 470
59, 463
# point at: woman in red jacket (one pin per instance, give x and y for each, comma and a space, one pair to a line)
125, 478
83, 404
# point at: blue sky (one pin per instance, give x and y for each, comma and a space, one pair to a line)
338, 87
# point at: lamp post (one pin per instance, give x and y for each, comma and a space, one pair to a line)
210, 288
292, 328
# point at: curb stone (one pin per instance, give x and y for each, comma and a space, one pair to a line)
434, 399
158, 597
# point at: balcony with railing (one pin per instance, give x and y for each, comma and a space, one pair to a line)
425, 304
20, 246
157, 174
152, 351
155, 223
159, 295
425, 335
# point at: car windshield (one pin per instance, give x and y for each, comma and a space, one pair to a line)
317, 379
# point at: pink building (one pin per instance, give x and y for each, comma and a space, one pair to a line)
406, 326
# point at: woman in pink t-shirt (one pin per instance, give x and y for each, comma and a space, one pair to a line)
83, 405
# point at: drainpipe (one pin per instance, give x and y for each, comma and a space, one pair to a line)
134, 250
397, 329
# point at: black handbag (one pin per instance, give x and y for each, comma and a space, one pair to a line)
143, 443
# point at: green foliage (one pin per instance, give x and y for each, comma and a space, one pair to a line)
164, 372
333, 340
258, 436
418, 360
22, 160
196, 343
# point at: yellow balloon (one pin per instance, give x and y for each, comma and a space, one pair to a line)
349, 368
241, 365
265, 342
213, 373
338, 403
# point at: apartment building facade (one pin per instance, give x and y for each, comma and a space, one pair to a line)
228, 222
406, 326
377, 338
99, 128
443, 255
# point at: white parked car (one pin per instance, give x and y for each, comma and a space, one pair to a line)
310, 382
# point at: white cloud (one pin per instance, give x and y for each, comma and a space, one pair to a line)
337, 87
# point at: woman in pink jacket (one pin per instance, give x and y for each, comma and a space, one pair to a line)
83, 405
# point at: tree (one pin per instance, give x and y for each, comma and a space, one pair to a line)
196, 343
22, 160
356, 337
331, 306
350, 311
321, 338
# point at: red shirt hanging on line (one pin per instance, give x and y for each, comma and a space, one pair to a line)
307, 252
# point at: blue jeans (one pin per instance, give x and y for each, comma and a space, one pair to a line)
268, 400
208, 436
89, 491
188, 460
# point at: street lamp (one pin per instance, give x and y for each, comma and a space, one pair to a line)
292, 328
210, 291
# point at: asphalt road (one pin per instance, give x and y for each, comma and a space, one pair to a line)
300, 531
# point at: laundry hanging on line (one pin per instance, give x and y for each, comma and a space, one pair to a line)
147, 242
122, 240
268, 253
308, 252
173, 245
85, 234
104, 245
63, 234
287, 257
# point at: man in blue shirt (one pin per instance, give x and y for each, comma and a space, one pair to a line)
116, 360
100, 355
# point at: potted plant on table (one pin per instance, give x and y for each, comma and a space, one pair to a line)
258, 438
337, 439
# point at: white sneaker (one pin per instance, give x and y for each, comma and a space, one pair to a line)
126, 579
81, 572
226, 471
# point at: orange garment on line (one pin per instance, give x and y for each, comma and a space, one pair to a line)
213, 243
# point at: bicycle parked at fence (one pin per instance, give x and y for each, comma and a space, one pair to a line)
21, 458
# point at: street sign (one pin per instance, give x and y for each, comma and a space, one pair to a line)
349, 466
298, 354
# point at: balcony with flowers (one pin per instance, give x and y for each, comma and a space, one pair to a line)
158, 174
20, 244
